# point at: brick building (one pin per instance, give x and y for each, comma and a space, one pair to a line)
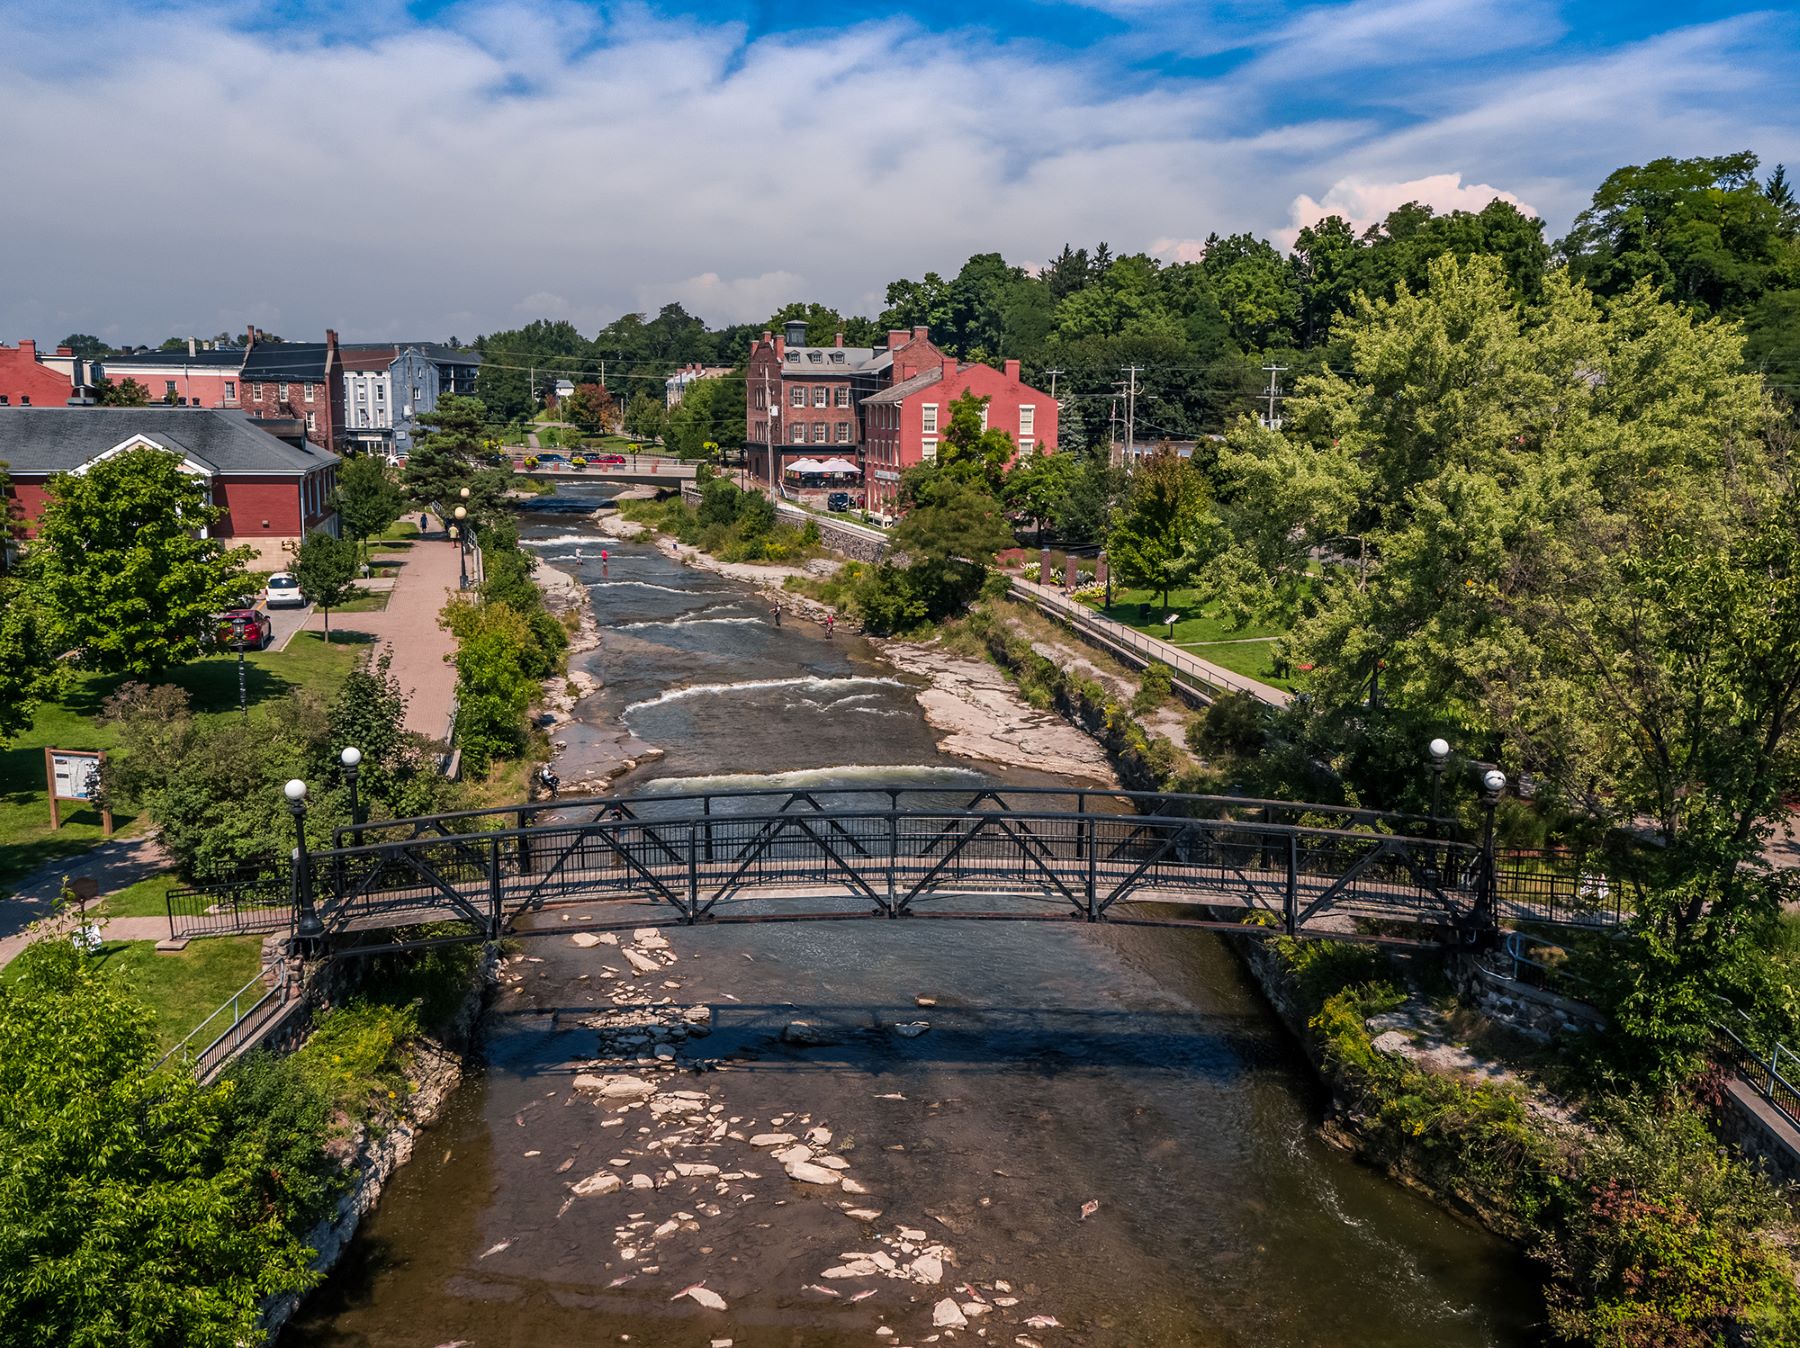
906, 420
806, 401
197, 377
27, 381
302, 381
273, 490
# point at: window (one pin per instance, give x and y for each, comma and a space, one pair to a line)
760, 399
797, 395
797, 432
309, 391
837, 357
256, 393
843, 395
984, 410
821, 395
381, 393
928, 450
4, 400
928, 420
1027, 420
843, 432
309, 422
231, 390
24, 401
168, 388
821, 432
287, 392
794, 356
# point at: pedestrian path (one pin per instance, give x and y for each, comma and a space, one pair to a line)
429, 573
112, 865
1121, 638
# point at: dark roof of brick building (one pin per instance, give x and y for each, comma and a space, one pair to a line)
41, 440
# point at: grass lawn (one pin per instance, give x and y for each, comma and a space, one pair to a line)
185, 987
1249, 658
372, 601
399, 532
147, 898
1198, 621
26, 839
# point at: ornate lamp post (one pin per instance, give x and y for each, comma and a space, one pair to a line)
459, 531
351, 758
307, 926
1439, 753
1493, 786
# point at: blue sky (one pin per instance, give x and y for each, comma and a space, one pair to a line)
431, 168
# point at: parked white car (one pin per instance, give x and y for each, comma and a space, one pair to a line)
283, 592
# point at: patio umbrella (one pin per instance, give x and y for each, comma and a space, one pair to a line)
836, 466
805, 466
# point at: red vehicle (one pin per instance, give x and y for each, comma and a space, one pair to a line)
246, 625
609, 460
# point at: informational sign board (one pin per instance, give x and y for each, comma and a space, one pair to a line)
74, 774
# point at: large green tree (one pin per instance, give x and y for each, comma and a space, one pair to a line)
129, 572
325, 566
1165, 529
451, 453
131, 1211
369, 498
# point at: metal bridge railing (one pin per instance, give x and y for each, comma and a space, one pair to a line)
252, 901
239, 1021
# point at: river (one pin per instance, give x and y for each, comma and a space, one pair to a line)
1101, 1128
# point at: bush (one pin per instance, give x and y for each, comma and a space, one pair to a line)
1154, 687
1236, 724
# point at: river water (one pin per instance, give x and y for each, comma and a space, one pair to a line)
1133, 1070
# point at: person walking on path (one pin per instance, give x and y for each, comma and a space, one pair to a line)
424, 521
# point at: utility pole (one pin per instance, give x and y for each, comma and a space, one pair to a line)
1052, 374
1273, 395
1131, 413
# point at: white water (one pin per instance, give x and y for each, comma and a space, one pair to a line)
646, 585
799, 779
811, 682
684, 622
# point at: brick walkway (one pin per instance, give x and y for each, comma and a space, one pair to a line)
113, 865
408, 626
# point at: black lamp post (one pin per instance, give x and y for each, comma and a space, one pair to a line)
460, 532
1439, 752
351, 758
307, 926
243, 695
1493, 786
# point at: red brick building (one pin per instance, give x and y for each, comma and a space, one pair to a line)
906, 420
301, 381
806, 401
26, 381
197, 377
273, 489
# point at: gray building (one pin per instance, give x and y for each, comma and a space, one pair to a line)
388, 387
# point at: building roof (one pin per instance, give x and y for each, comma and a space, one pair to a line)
42, 440
228, 359
829, 360
436, 352
900, 392
285, 360
362, 358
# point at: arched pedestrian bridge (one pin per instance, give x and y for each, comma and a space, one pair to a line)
896, 853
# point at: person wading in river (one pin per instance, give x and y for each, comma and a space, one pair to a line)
775, 614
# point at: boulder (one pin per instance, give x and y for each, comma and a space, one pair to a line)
615, 1087
806, 1034
600, 1182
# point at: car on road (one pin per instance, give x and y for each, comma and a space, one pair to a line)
609, 460
246, 626
283, 591
838, 501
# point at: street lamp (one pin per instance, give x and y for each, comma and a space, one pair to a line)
460, 532
1493, 786
307, 925
1439, 752
351, 758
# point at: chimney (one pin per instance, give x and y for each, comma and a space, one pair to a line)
840, 340
190, 348
796, 331
1012, 371
65, 350
249, 335
949, 367
897, 338
28, 348
921, 333
331, 339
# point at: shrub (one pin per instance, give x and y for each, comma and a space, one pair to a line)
1237, 724
1154, 686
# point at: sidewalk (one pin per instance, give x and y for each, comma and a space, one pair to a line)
1123, 638
113, 865
408, 626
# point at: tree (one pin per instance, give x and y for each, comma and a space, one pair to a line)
325, 566
131, 1211
1039, 487
368, 497
452, 453
87, 346
128, 394
519, 367
1165, 528
27, 648
946, 544
128, 572
583, 409
969, 450
645, 417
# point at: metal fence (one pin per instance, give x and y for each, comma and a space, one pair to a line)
246, 902
1104, 630
242, 1020
1562, 888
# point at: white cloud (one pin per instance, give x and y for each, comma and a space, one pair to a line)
522, 159
1365, 203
